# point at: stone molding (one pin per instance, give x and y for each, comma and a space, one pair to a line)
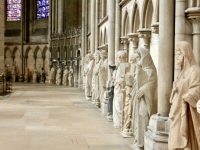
124, 40
155, 28
133, 37
145, 34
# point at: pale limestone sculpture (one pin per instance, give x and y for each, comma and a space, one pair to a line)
184, 126
59, 76
35, 74
127, 130
95, 79
123, 68
145, 101
88, 76
14, 73
52, 76
65, 75
70, 76
26, 75
84, 70
103, 75
198, 106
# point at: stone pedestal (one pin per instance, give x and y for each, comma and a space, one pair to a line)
104, 104
156, 138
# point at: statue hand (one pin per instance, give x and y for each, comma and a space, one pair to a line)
140, 93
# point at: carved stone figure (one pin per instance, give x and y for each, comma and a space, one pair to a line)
43, 75
26, 75
13, 73
52, 76
35, 74
95, 79
198, 106
84, 70
88, 76
103, 75
130, 89
123, 68
65, 74
110, 89
145, 101
184, 126
70, 76
59, 76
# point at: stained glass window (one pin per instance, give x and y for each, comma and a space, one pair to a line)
42, 9
13, 10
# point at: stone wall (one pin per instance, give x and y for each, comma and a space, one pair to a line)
1, 36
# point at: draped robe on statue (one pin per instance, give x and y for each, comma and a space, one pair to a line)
184, 131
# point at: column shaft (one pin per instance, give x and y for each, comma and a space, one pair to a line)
165, 56
117, 27
53, 15
92, 40
96, 26
83, 29
60, 15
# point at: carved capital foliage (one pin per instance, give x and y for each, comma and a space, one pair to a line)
124, 40
145, 34
155, 28
133, 37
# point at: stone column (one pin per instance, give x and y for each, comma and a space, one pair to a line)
92, 41
2, 21
194, 17
134, 39
53, 14
117, 26
60, 15
156, 138
96, 26
144, 35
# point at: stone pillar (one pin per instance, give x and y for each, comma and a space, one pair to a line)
2, 21
156, 138
60, 15
134, 39
117, 26
92, 39
194, 17
144, 35
96, 25
53, 15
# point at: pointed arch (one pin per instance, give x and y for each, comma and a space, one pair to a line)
14, 51
27, 51
148, 15
7, 50
136, 19
36, 51
125, 23
44, 51
156, 15
144, 8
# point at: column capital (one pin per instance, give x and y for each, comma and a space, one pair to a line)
133, 37
145, 34
193, 15
124, 40
155, 27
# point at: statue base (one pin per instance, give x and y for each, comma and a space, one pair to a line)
104, 109
156, 138
126, 135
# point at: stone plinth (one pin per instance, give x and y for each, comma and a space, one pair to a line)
156, 138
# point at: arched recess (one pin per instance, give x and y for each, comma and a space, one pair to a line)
125, 23
101, 39
105, 36
39, 59
193, 3
46, 60
30, 60
136, 19
8, 60
156, 15
17, 61
149, 15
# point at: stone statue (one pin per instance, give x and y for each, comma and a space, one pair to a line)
84, 70
110, 89
59, 76
103, 75
145, 101
130, 89
70, 76
52, 76
35, 75
95, 79
65, 74
14, 72
184, 126
26, 74
122, 69
198, 106
43, 75
88, 76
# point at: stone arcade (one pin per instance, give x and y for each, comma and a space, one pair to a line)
137, 61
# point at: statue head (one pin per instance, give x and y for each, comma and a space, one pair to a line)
184, 54
121, 56
97, 56
103, 55
90, 56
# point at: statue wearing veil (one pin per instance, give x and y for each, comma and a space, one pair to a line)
184, 126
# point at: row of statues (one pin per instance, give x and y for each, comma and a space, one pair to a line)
131, 94
35, 75
60, 77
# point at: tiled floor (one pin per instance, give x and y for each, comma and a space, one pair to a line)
50, 117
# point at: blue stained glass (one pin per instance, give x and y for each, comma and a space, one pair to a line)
13, 10
42, 9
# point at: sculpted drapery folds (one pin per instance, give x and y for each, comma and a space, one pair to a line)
185, 121
103, 74
70, 76
145, 101
59, 76
95, 79
198, 106
88, 76
52, 75
26, 75
65, 74
35, 74
122, 69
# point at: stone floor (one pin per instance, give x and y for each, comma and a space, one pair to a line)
50, 117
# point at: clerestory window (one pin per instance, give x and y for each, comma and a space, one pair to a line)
13, 10
42, 9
